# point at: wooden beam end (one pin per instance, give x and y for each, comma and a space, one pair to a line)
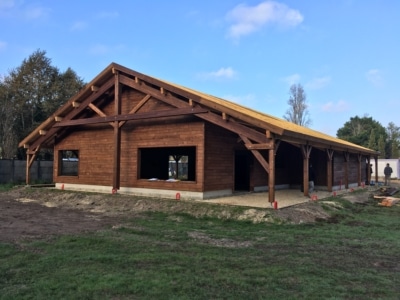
94, 88
75, 104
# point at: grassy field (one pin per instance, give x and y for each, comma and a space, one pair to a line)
175, 256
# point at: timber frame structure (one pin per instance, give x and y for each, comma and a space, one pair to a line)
119, 96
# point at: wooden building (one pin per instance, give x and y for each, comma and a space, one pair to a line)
129, 132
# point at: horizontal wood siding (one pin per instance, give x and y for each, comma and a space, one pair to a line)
161, 135
219, 158
95, 156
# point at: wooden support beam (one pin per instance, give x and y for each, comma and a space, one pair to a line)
97, 110
306, 151
271, 176
58, 118
117, 135
131, 117
75, 104
359, 159
30, 158
256, 154
265, 146
94, 88
346, 169
42, 132
329, 169
136, 108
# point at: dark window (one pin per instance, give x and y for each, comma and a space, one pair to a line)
69, 162
168, 163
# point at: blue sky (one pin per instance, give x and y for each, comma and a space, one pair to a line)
345, 53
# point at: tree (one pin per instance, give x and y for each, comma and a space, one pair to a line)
393, 134
34, 90
297, 112
7, 117
359, 131
372, 141
381, 147
395, 153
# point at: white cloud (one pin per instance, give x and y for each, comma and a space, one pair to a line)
318, 83
339, 106
292, 79
222, 73
248, 19
374, 76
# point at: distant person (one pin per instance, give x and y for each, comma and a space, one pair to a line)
388, 173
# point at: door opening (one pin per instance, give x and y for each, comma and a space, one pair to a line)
242, 171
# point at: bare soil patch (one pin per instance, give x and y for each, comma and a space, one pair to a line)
31, 213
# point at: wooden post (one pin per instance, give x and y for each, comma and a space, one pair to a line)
329, 167
359, 158
306, 150
27, 170
117, 134
346, 169
271, 174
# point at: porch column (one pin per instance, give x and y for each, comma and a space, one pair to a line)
271, 175
306, 150
117, 134
346, 169
369, 170
359, 158
329, 167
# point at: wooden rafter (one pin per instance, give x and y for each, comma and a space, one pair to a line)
99, 112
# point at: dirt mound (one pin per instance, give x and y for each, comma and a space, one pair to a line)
37, 213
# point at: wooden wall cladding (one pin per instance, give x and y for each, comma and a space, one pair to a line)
220, 146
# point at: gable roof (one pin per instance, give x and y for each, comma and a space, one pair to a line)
183, 97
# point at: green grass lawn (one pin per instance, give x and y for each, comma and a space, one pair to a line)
176, 256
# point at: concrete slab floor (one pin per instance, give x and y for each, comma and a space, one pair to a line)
284, 198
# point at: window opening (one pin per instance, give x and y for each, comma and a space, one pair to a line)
168, 163
69, 161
